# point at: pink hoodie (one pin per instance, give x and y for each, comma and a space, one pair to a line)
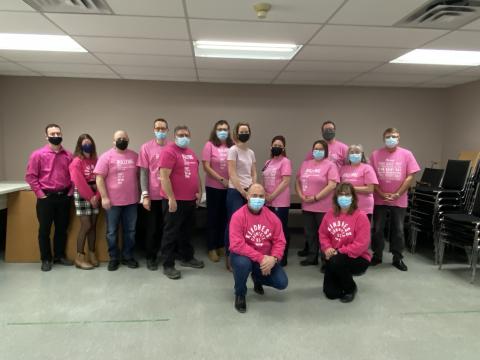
348, 234
81, 172
256, 235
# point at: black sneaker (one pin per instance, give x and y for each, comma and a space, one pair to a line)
375, 261
130, 263
113, 265
62, 261
46, 265
240, 304
193, 263
309, 262
152, 264
399, 264
172, 273
258, 288
303, 252
348, 297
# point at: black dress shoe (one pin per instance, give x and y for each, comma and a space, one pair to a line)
399, 264
375, 261
152, 264
348, 297
63, 261
46, 265
303, 252
258, 288
130, 263
113, 265
308, 262
240, 304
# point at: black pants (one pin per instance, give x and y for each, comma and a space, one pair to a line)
216, 217
54, 209
154, 222
312, 221
177, 231
397, 237
338, 278
282, 214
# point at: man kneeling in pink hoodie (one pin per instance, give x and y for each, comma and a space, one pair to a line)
257, 243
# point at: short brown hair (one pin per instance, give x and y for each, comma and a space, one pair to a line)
329, 122
162, 120
51, 126
181, 127
345, 188
390, 131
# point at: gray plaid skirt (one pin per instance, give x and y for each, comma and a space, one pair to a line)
82, 206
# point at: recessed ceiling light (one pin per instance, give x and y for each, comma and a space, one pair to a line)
37, 42
439, 57
244, 50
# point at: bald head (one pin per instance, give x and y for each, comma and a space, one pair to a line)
256, 190
120, 140
120, 134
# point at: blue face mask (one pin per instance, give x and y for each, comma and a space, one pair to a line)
222, 134
182, 142
256, 204
87, 148
355, 158
160, 135
391, 142
344, 201
318, 154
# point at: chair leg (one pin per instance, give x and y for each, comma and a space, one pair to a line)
413, 239
441, 252
474, 258
435, 247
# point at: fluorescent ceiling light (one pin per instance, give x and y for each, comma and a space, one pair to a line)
244, 50
439, 57
37, 42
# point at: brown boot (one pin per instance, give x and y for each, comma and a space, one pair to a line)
93, 258
81, 263
212, 255
221, 251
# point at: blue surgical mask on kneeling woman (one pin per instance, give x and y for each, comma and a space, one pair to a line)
344, 201
256, 204
318, 154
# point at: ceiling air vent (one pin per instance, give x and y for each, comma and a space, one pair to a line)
446, 14
70, 6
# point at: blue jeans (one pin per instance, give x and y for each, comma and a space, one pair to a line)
234, 201
243, 266
127, 216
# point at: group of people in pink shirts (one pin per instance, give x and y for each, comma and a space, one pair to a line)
346, 202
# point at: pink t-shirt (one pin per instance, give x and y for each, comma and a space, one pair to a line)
337, 153
348, 234
256, 235
392, 168
274, 171
184, 175
314, 176
244, 161
360, 175
217, 157
149, 158
121, 176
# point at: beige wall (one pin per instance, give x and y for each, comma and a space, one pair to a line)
100, 106
462, 130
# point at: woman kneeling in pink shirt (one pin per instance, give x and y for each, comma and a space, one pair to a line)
344, 238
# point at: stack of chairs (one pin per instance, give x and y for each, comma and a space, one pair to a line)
430, 202
462, 230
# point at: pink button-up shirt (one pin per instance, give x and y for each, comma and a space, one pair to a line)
48, 170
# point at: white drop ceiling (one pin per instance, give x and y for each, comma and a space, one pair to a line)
345, 42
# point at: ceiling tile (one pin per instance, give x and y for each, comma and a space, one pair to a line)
135, 46
160, 71
301, 11
472, 72
419, 69
27, 23
374, 12
251, 31
80, 75
349, 53
122, 26
333, 66
240, 64
67, 68
161, 77
382, 84
237, 74
308, 82
18, 73
49, 56
474, 25
393, 78
15, 5
457, 40
374, 36
147, 7
146, 60
7, 66
316, 76
234, 80
452, 80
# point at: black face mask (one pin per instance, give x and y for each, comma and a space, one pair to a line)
276, 151
328, 134
243, 137
55, 140
121, 143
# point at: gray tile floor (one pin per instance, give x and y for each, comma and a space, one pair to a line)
138, 314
